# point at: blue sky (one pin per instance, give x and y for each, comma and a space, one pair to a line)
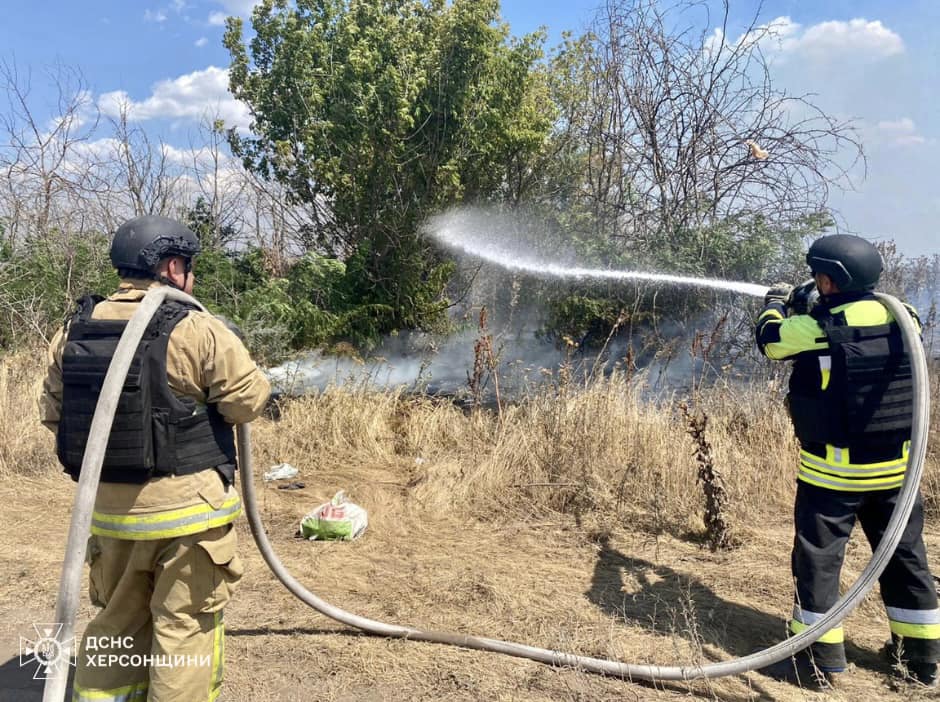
876, 62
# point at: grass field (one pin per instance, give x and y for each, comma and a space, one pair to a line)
573, 521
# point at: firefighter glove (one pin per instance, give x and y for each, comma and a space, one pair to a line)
779, 292
803, 298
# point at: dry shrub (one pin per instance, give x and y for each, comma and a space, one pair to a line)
930, 483
604, 451
26, 446
350, 420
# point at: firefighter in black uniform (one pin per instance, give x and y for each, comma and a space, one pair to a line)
850, 398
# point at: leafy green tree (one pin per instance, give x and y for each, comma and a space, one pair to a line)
40, 281
375, 113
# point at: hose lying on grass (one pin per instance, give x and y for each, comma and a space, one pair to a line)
70, 583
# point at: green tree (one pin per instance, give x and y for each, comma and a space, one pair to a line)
375, 113
41, 280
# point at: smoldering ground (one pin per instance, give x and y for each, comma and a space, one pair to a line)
514, 267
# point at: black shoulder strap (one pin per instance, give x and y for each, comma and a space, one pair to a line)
168, 315
84, 306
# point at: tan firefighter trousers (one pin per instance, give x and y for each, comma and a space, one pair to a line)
159, 635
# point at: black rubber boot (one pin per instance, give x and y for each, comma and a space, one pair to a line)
923, 672
800, 669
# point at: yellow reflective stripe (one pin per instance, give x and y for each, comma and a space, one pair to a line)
879, 472
833, 636
838, 461
218, 658
160, 517
118, 694
835, 472
170, 524
825, 370
833, 482
846, 476
770, 313
837, 456
915, 631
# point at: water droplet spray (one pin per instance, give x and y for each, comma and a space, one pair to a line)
466, 231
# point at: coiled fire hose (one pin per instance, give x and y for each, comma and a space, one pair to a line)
72, 568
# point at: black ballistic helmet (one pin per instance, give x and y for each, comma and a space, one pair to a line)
853, 263
141, 243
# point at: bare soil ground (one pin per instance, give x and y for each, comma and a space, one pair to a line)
591, 588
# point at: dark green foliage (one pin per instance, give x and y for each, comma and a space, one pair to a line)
40, 282
307, 307
586, 321
212, 233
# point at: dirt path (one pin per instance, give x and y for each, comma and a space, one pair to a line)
593, 590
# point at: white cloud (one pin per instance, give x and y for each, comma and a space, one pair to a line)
858, 39
190, 96
201, 42
155, 16
217, 19
901, 132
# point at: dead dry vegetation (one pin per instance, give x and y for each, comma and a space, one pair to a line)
573, 521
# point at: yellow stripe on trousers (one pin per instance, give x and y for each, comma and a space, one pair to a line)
128, 693
165, 525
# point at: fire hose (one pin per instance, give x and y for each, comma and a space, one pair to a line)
72, 568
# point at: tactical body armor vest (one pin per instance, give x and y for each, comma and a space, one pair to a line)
867, 400
155, 433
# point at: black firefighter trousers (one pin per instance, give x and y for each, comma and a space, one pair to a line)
824, 520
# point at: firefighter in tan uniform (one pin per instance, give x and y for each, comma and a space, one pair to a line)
162, 554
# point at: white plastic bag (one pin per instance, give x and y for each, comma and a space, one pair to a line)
282, 471
336, 520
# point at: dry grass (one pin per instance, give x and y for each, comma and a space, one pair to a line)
600, 454
25, 445
572, 523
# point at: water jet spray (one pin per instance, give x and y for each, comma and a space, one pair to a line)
460, 231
